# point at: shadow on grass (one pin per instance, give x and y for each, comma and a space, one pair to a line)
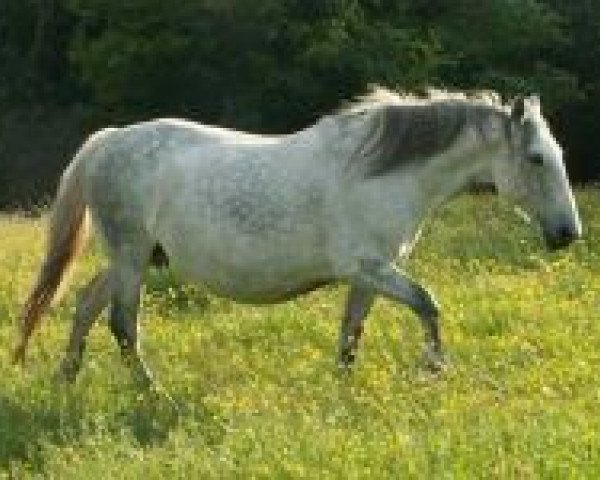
151, 420
61, 419
25, 428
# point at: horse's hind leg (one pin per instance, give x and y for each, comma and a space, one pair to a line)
126, 282
358, 304
93, 298
123, 321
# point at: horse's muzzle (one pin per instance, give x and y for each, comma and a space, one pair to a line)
562, 236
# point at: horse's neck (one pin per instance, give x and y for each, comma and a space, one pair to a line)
446, 175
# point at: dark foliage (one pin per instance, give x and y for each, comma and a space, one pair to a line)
275, 66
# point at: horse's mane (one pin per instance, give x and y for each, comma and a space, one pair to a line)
407, 127
378, 95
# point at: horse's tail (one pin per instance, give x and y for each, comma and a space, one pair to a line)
67, 235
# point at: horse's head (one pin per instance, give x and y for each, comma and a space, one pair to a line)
533, 174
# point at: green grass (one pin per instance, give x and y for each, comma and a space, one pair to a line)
261, 393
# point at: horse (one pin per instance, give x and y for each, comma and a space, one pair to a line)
264, 218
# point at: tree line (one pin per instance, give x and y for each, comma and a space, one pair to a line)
275, 66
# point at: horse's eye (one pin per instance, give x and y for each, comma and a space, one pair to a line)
536, 159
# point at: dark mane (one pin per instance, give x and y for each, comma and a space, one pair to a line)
403, 130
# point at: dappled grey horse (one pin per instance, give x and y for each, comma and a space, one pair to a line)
264, 218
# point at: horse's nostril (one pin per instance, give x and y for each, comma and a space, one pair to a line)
565, 233
562, 237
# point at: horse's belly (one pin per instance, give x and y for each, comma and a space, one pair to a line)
252, 271
253, 285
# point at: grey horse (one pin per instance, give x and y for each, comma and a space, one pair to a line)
264, 218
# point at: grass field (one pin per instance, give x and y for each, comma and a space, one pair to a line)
259, 387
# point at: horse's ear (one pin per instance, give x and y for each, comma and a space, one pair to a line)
534, 103
518, 109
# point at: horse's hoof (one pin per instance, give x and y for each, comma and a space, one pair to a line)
62, 378
160, 395
65, 375
18, 355
344, 368
67, 371
435, 361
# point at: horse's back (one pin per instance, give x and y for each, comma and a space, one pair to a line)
130, 159
186, 131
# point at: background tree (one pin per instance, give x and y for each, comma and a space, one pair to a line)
275, 66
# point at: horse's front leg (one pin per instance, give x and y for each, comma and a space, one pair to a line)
358, 304
392, 283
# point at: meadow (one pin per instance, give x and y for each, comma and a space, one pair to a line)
258, 386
